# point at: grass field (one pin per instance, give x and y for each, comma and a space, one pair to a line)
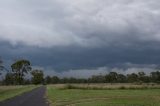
110, 97
7, 92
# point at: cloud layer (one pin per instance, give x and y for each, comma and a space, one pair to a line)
81, 37
86, 23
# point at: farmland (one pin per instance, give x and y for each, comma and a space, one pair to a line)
7, 92
79, 95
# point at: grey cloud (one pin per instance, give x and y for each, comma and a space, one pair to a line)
63, 59
68, 36
85, 23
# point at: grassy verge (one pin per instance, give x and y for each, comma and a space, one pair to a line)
7, 92
91, 97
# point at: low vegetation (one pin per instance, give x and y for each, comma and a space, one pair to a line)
7, 92
91, 97
109, 86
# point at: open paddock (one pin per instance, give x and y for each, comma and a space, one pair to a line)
103, 95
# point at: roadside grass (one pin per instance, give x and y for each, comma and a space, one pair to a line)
7, 92
97, 97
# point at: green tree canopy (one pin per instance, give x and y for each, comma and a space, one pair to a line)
20, 68
37, 76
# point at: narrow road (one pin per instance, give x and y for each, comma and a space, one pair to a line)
34, 98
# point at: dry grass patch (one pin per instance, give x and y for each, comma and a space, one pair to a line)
106, 86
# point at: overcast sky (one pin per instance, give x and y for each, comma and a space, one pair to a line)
81, 37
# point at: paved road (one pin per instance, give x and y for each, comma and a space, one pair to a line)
33, 98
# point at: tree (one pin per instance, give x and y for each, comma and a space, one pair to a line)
111, 77
9, 79
37, 77
132, 78
48, 80
1, 66
20, 68
55, 80
141, 76
97, 79
121, 78
155, 76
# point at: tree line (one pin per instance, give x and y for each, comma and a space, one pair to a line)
19, 69
22, 67
112, 77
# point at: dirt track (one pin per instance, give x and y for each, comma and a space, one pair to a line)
34, 98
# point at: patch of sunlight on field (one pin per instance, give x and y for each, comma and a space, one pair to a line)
79, 97
7, 92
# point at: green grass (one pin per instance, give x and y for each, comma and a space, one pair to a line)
7, 92
116, 97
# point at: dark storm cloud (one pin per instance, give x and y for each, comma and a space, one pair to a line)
81, 35
84, 62
74, 57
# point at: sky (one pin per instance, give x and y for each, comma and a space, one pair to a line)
80, 38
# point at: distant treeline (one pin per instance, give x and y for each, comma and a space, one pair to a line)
111, 77
22, 67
